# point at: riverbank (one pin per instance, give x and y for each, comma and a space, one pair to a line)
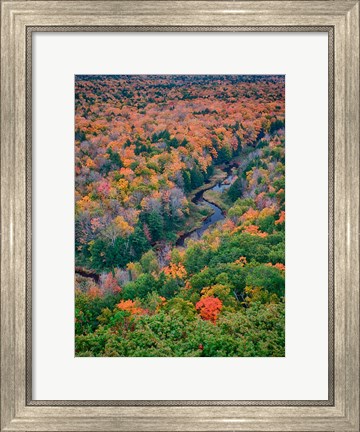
218, 177
215, 195
199, 210
208, 204
217, 198
198, 215
208, 195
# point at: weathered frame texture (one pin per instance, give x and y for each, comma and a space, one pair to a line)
340, 19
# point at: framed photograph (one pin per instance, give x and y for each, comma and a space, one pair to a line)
180, 216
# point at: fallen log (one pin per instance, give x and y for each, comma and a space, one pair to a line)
82, 271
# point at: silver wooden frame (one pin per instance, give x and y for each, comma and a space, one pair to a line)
340, 19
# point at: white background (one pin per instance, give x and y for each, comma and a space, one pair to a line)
302, 374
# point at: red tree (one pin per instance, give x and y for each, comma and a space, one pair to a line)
209, 308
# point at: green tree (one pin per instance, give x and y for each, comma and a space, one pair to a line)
149, 262
187, 180
197, 178
224, 155
235, 190
156, 225
268, 278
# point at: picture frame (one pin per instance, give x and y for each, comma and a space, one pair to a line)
340, 19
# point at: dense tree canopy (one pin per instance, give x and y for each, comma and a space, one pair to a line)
155, 158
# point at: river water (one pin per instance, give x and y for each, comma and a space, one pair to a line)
219, 187
217, 214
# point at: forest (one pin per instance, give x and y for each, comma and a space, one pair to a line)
180, 216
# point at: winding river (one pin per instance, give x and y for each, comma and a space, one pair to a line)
217, 214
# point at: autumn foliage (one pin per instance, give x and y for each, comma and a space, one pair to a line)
209, 308
130, 306
180, 215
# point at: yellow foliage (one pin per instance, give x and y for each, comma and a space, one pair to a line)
124, 228
241, 261
175, 271
218, 290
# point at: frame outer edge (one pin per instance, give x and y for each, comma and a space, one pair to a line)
12, 202
352, 216
7, 218
169, 8
20, 183
339, 214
